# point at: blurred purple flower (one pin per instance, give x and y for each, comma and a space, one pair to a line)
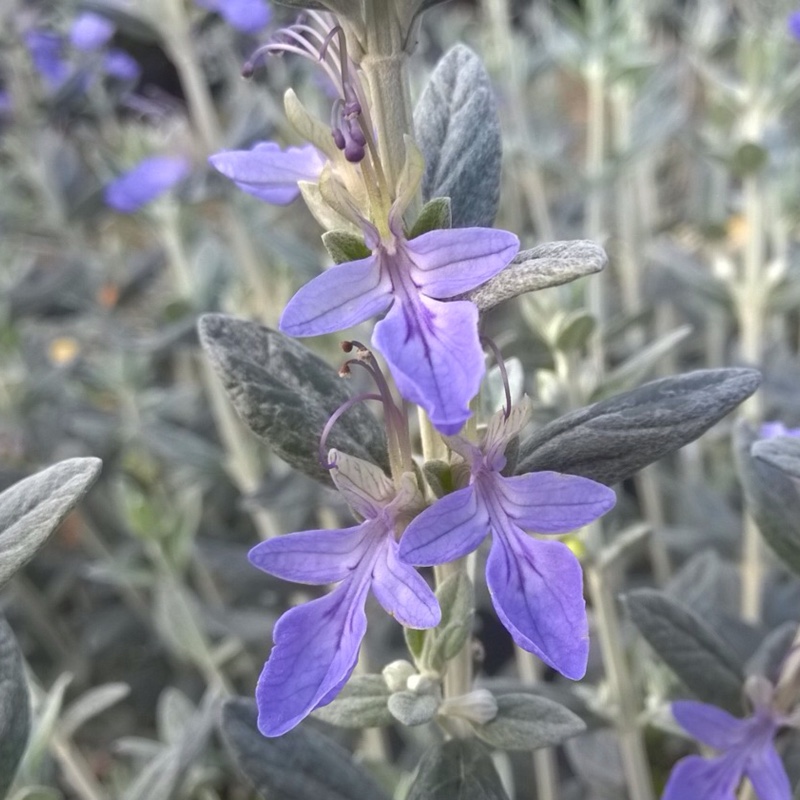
432, 347
247, 16
536, 586
769, 430
746, 747
794, 24
118, 64
316, 644
47, 53
149, 179
269, 173
91, 31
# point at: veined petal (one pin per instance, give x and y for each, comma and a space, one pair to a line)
316, 647
537, 590
315, 557
693, 776
449, 529
269, 173
403, 592
550, 502
445, 263
768, 775
434, 355
341, 297
709, 724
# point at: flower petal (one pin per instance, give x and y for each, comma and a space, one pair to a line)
449, 529
448, 262
403, 592
709, 724
269, 173
550, 502
341, 297
89, 31
435, 356
316, 648
537, 589
150, 178
768, 775
315, 557
365, 486
696, 777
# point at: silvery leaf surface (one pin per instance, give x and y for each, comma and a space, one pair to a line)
14, 707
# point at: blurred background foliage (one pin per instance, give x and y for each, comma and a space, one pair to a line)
665, 130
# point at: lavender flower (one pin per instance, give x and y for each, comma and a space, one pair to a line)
118, 64
269, 173
769, 430
536, 586
90, 31
794, 24
149, 179
316, 644
432, 347
47, 53
247, 16
746, 747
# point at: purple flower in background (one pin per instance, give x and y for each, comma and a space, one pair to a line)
746, 749
247, 16
118, 64
150, 178
769, 430
432, 347
91, 31
47, 53
269, 173
316, 644
794, 24
536, 586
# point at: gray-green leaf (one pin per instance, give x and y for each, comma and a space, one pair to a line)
543, 266
410, 708
611, 440
303, 764
360, 704
528, 722
771, 495
458, 132
33, 508
456, 600
782, 452
14, 707
460, 768
286, 394
692, 649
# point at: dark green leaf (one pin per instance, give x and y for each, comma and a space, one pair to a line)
33, 508
611, 440
303, 764
343, 246
692, 649
286, 394
458, 132
14, 707
435, 215
460, 769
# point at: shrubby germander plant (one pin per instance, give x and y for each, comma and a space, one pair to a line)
433, 452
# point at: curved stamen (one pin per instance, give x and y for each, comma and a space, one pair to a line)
501, 365
334, 418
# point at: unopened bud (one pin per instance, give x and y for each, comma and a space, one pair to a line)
478, 706
397, 674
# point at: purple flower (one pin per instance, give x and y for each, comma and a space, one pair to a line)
269, 173
794, 24
118, 64
150, 178
432, 347
536, 586
47, 50
316, 644
91, 31
769, 430
745, 746
247, 16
